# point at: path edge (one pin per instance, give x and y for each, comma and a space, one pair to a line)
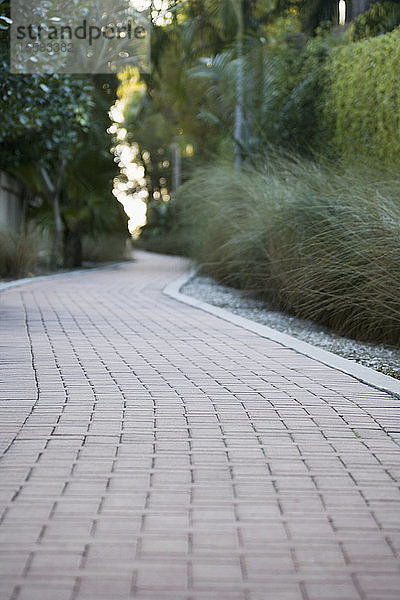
359, 372
6, 285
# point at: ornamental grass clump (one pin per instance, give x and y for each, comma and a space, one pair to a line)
319, 242
20, 252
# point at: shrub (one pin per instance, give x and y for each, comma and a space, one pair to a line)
319, 243
299, 123
106, 248
160, 233
22, 253
362, 100
381, 18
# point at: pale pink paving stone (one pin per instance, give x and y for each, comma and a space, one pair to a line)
156, 452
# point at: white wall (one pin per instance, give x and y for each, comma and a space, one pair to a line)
11, 203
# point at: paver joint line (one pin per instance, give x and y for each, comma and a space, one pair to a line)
157, 452
358, 371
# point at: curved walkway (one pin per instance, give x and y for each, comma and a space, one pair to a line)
154, 451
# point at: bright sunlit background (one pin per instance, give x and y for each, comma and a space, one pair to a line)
133, 193
342, 12
160, 14
130, 190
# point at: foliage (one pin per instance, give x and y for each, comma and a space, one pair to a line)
21, 253
182, 94
162, 114
284, 78
299, 121
317, 243
86, 203
42, 115
88, 206
109, 248
163, 232
313, 13
362, 100
53, 137
381, 18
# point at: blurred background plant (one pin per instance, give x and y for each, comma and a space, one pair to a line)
314, 242
264, 143
22, 252
53, 135
267, 136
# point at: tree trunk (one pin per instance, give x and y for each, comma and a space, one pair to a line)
176, 166
239, 118
58, 237
54, 190
72, 248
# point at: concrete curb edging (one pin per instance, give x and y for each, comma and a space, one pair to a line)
360, 372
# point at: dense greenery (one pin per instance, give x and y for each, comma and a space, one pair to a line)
314, 241
53, 138
42, 115
363, 98
256, 141
21, 252
381, 18
315, 232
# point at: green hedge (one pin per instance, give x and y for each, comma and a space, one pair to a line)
362, 99
381, 18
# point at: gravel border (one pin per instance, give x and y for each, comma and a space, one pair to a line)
380, 357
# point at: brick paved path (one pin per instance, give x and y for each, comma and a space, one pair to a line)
154, 451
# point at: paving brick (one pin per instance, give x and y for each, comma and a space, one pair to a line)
162, 576
48, 592
153, 451
218, 573
171, 545
105, 588
332, 590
